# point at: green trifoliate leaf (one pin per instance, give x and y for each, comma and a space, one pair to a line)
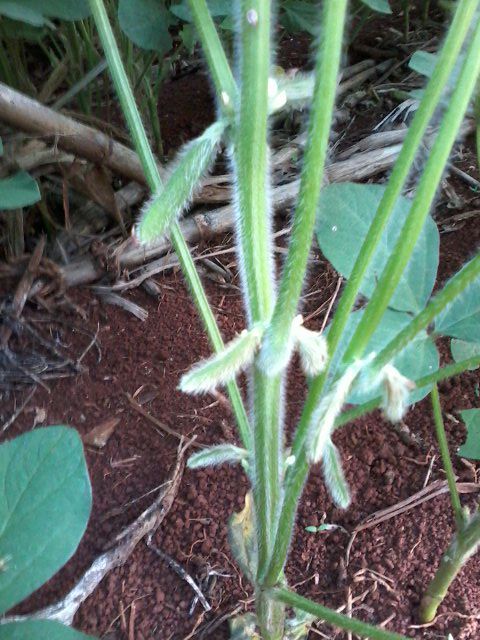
471, 448
37, 629
216, 8
462, 350
222, 367
62, 9
45, 500
313, 350
300, 15
17, 191
219, 454
146, 23
345, 213
193, 162
382, 6
419, 358
461, 319
15, 11
334, 476
423, 63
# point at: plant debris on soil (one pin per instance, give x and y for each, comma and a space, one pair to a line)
387, 566
125, 404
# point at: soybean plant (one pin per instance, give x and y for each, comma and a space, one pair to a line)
466, 540
385, 245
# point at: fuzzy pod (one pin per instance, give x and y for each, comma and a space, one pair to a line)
219, 454
334, 476
329, 408
396, 390
222, 367
313, 350
192, 163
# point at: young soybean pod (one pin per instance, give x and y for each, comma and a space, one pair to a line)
191, 165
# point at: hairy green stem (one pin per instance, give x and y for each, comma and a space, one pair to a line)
252, 163
339, 620
422, 202
463, 545
152, 175
270, 615
254, 214
446, 459
275, 352
216, 58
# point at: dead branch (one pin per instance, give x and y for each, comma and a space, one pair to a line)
23, 113
26, 114
22, 291
122, 546
217, 221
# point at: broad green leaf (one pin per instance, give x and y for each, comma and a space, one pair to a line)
345, 213
242, 538
219, 454
16, 30
381, 6
334, 477
471, 448
63, 9
418, 359
461, 319
299, 15
192, 163
146, 23
222, 367
45, 501
1, 147
15, 11
18, 191
39, 630
462, 350
423, 63
217, 8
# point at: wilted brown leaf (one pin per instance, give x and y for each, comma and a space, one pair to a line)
99, 435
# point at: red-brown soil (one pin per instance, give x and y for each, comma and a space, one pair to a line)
390, 564
381, 470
